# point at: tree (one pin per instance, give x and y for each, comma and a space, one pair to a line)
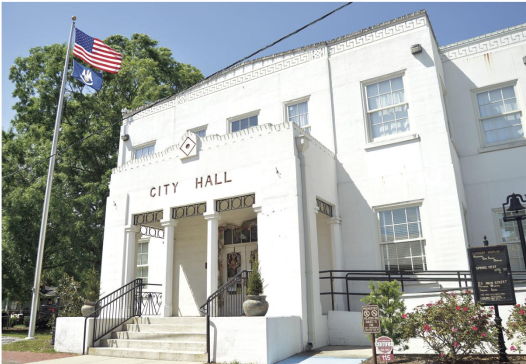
82, 171
388, 297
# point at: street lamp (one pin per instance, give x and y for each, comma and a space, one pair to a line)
514, 203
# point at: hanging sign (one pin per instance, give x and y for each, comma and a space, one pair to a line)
491, 275
371, 319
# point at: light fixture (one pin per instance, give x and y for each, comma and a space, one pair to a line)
125, 137
416, 48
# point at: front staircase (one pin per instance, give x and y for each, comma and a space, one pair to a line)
163, 338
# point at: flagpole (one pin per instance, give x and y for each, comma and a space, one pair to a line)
43, 225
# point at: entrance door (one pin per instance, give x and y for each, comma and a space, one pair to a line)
237, 258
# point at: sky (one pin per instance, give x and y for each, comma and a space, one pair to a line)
211, 36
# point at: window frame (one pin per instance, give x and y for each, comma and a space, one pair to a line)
137, 265
307, 128
423, 224
367, 119
142, 146
520, 109
498, 235
233, 119
198, 129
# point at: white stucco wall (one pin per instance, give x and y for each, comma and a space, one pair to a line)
69, 334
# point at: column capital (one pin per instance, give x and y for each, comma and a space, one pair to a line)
334, 220
212, 216
257, 209
132, 228
169, 222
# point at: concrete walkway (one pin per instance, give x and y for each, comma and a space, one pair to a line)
331, 355
327, 354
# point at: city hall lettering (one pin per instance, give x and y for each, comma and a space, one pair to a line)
200, 182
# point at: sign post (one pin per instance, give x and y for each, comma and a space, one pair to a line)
493, 283
371, 324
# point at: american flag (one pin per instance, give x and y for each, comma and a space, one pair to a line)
96, 53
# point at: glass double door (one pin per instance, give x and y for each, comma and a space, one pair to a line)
237, 258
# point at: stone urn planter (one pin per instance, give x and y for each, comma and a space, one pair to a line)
88, 308
255, 305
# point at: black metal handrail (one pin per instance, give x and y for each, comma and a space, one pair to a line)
115, 309
404, 277
227, 301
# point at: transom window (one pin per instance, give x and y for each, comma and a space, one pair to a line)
241, 235
509, 235
244, 123
500, 116
299, 114
402, 242
142, 261
387, 108
144, 151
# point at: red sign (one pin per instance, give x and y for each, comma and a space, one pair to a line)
384, 344
386, 357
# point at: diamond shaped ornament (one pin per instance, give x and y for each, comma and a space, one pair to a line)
189, 147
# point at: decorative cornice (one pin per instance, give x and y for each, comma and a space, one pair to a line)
379, 32
215, 140
253, 69
484, 43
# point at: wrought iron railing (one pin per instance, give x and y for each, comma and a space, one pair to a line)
227, 301
114, 310
446, 280
151, 302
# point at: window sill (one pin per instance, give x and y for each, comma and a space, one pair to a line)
392, 141
519, 143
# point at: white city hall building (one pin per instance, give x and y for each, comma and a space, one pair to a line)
378, 150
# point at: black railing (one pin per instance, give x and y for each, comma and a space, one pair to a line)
151, 302
227, 301
454, 280
114, 310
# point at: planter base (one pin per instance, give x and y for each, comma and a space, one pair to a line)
255, 305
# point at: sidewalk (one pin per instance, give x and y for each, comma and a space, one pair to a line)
327, 354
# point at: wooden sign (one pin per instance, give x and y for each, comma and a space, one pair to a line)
491, 275
371, 319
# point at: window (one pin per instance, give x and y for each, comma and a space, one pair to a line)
299, 114
142, 261
387, 108
509, 234
239, 235
144, 151
402, 243
499, 115
244, 123
201, 131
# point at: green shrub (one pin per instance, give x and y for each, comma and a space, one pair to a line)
387, 295
255, 281
26, 320
13, 321
517, 327
454, 326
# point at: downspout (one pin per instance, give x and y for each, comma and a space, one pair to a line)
302, 144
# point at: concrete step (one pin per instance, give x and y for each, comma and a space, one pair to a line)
170, 320
199, 346
167, 336
191, 328
151, 354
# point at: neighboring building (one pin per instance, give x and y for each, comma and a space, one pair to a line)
359, 153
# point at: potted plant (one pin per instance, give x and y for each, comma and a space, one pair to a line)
255, 304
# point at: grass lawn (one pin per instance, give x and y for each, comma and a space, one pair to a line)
40, 345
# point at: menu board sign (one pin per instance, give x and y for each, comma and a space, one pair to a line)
491, 275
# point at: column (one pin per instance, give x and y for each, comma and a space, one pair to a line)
168, 253
130, 263
211, 251
337, 263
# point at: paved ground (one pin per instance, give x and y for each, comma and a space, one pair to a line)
10, 339
325, 355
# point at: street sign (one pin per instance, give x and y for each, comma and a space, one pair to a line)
384, 345
371, 319
491, 275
